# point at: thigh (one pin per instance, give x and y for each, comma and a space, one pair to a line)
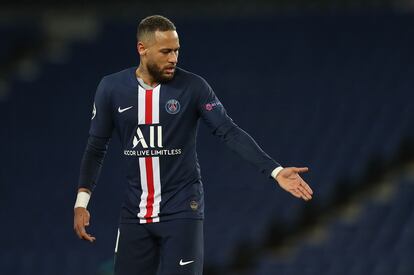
182, 247
136, 251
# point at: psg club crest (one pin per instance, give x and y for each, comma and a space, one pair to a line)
172, 106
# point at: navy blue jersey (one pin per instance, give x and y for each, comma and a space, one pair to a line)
158, 128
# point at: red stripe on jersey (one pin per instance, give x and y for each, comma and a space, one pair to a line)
148, 107
150, 186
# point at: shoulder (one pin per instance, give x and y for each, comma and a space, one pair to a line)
112, 82
194, 80
123, 76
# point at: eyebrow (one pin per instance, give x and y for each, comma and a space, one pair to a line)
170, 49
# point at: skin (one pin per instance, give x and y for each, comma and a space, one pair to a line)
81, 220
158, 59
290, 181
158, 52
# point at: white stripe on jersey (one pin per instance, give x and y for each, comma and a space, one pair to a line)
157, 188
141, 105
156, 105
144, 195
117, 241
155, 160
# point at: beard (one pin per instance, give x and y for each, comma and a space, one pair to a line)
158, 74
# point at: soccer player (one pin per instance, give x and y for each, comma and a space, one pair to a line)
155, 109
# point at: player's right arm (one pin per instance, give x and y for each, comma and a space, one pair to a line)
99, 136
82, 217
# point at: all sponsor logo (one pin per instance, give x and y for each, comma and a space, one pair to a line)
139, 138
150, 146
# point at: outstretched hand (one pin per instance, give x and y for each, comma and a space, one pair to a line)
81, 220
290, 180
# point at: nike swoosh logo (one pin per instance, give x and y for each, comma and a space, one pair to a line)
125, 109
185, 263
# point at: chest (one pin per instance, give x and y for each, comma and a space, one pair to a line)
162, 105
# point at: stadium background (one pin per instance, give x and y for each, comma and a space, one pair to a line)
327, 84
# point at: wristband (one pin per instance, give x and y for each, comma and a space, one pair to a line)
276, 171
82, 199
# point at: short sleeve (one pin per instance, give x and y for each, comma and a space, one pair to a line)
102, 122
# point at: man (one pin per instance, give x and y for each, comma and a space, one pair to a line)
155, 109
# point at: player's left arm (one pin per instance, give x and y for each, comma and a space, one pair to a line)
290, 180
215, 116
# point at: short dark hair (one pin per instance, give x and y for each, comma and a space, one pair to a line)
153, 23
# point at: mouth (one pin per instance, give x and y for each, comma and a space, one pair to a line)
169, 70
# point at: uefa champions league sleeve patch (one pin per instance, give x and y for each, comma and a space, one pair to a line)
210, 106
172, 106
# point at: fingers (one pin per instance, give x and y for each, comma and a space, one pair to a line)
296, 193
85, 235
302, 190
307, 187
304, 194
301, 169
81, 220
292, 182
82, 234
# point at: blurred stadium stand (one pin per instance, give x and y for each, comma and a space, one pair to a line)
377, 240
329, 90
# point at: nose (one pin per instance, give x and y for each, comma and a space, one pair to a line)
173, 57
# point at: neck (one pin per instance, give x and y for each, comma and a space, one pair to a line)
143, 73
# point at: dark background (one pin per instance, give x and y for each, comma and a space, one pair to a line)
324, 84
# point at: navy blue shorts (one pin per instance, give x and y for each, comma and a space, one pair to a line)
166, 248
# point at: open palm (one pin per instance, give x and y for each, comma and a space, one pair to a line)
290, 180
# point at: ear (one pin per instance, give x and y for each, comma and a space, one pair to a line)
141, 49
